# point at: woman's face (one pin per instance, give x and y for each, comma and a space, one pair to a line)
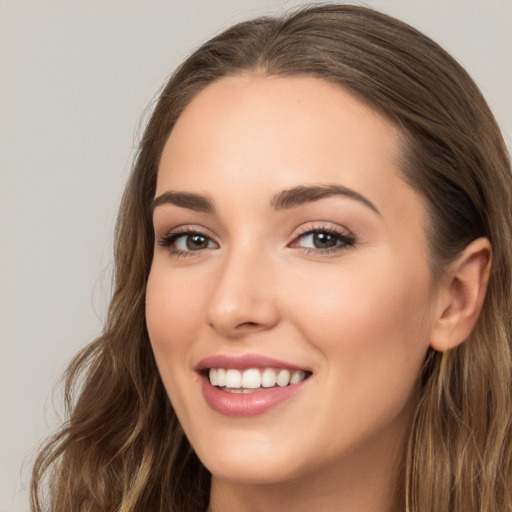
288, 247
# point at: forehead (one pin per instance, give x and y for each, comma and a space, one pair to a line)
297, 119
282, 132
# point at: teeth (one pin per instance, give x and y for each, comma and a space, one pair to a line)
268, 378
251, 379
254, 378
233, 378
221, 377
297, 376
283, 378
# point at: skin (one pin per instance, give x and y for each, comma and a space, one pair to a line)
361, 318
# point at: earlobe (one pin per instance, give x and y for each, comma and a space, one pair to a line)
462, 295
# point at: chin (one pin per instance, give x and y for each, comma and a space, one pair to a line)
250, 473
255, 461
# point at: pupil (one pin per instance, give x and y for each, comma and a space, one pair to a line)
324, 240
195, 242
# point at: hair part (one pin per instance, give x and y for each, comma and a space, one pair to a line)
123, 448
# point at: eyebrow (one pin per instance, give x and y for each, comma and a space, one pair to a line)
297, 196
188, 200
289, 198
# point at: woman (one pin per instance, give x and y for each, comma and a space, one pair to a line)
313, 287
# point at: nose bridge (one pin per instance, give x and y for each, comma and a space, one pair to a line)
243, 298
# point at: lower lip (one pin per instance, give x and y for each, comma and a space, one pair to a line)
247, 404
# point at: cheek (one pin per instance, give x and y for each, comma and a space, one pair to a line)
372, 327
173, 313
173, 304
173, 317
372, 334
364, 297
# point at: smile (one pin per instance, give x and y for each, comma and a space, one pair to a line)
249, 384
253, 379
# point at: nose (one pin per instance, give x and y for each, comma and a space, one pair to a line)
243, 300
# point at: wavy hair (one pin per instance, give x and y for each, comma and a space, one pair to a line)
123, 449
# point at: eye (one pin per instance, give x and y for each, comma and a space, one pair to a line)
184, 242
324, 240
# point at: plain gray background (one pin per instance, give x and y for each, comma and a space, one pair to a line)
75, 77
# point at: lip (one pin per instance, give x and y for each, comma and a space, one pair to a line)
246, 404
244, 362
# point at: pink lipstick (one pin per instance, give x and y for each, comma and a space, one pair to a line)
249, 384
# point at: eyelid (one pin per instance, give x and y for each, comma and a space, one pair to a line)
312, 227
170, 236
345, 236
185, 229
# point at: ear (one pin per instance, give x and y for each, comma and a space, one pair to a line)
462, 295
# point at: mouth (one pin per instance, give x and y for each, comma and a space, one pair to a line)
251, 380
248, 385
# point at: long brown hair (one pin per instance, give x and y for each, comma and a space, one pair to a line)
123, 448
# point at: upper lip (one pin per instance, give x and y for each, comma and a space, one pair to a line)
244, 362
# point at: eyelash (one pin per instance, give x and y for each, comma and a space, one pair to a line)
344, 240
170, 238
